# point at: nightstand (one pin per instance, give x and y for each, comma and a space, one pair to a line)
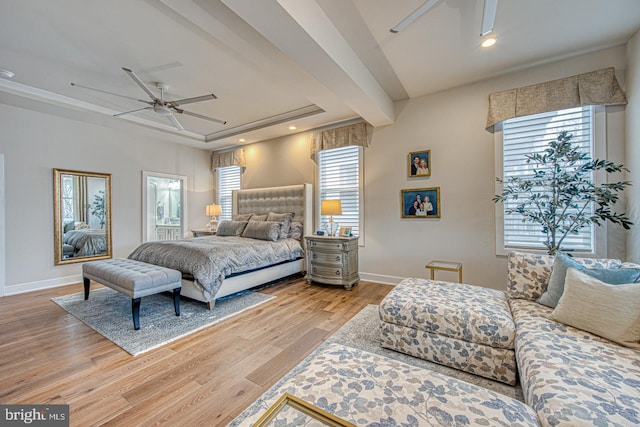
332, 260
201, 232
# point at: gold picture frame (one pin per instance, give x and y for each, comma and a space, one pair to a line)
289, 401
419, 164
412, 199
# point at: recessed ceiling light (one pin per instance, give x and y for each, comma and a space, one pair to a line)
6, 74
242, 140
292, 127
488, 42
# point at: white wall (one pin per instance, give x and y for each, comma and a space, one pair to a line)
632, 121
451, 124
35, 142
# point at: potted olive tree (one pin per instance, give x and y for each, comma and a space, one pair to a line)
559, 193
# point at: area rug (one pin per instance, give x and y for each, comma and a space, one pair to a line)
109, 313
361, 333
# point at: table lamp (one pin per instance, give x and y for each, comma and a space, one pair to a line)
331, 208
213, 211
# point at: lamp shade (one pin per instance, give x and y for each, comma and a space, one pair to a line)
331, 207
214, 210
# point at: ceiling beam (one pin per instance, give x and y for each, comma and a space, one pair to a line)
303, 32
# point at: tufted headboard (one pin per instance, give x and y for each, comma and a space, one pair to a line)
290, 198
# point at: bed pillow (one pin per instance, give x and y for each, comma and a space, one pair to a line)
242, 217
285, 220
231, 228
263, 230
609, 311
297, 230
258, 217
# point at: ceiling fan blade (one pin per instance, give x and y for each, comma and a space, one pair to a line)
175, 122
488, 16
194, 99
140, 83
200, 116
414, 15
132, 111
109, 93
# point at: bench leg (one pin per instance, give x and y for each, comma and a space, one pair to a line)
176, 300
135, 311
87, 286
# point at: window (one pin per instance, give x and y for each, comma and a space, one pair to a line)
228, 180
340, 178
531, 134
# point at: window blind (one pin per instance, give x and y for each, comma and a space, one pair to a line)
531, 134
340, 179
228, 180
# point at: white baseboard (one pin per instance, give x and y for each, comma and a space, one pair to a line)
62, 281
42, 284
380, 278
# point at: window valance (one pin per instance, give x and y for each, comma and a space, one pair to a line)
228, 158
355, 134
595, 88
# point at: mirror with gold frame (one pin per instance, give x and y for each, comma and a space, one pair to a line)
81, 216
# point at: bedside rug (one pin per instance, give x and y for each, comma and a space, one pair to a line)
108, 312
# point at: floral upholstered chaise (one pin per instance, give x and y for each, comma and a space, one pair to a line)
569, 376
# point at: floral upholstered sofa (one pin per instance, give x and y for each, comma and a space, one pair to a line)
569, 377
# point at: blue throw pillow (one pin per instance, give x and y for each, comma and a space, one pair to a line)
614, 276
561, 263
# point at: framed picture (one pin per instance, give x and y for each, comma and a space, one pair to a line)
420, 203
344, 232
419, 164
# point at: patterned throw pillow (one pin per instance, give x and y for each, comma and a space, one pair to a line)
263, 230
231, 228
609, 311
297, 230
242, 217
285, 220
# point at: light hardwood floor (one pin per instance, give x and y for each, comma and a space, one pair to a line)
206, 378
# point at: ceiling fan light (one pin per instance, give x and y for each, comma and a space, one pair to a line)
488, 42
162, 110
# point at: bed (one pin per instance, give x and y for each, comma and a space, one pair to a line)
85, 242
242, 262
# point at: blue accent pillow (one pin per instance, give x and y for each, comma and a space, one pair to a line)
614, 276
562, 262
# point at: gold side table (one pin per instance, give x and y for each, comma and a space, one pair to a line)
445, 266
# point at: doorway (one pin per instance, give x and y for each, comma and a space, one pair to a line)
164, 206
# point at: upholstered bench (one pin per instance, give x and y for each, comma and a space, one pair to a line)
461, 326
135, 279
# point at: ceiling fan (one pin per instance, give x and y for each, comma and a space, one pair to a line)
488, 16
160, 105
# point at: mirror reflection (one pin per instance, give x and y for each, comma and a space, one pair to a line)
163, 203
82, 216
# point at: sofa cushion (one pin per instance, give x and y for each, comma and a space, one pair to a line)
465, 312
572, 377
528, 274
609, 311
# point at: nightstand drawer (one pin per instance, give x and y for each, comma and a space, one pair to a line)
327, 258
327, 272
328, 245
